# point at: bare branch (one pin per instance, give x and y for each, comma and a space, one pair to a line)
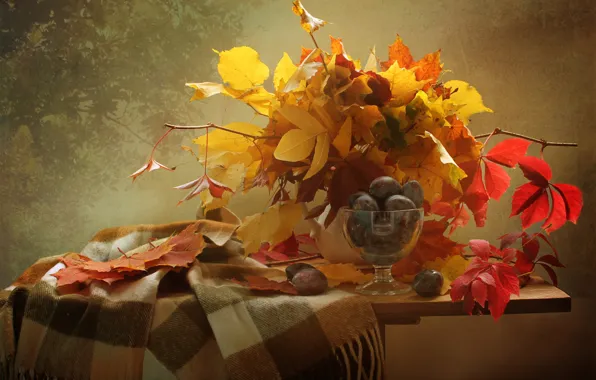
542, 142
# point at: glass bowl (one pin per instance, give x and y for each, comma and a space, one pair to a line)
382, 238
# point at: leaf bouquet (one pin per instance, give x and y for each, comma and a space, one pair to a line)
335, 123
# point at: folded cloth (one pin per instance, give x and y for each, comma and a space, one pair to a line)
196, 322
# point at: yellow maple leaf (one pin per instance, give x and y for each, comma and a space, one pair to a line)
320, 156
241, 69
273, 226
451, 269
343, 140
324, 109
364, 119
307, 21
205, 89
302, 119
429, 163
343, 274
403, 84
465, 102
283, 72
257, 97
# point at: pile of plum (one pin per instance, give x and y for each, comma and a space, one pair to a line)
374, 223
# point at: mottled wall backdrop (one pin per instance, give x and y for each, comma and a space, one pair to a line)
86, 85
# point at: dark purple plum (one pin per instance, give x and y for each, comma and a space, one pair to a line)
399, 202
353, 198
383, 187
365, 203
428, 283
310, 282
292, 269
413, 190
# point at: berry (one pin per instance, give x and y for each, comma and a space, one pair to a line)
383, 187
428, 283
292, 269
413, 190
309, 282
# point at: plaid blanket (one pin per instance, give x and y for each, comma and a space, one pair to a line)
196, 322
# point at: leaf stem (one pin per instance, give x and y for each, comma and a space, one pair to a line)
206, 147
159, 141
322, 55
544, 143
211, 125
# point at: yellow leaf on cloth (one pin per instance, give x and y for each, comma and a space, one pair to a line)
273, 226
451, 269
403, 84
241, 68
307, 21
428, 162
344, 273
466, 101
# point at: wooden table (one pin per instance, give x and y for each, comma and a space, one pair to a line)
536, 297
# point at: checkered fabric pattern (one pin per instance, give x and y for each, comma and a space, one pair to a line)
196, 322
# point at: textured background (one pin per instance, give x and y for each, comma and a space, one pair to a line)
86, 86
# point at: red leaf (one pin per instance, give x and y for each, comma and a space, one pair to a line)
558, 215
510, 238
509, 152
536, 211
71, 275
551, 260
263, 284
507, 278
508, 254
476, 198
277, 256
442, 208
481, 248
530, 246
308, 188
497, 301
468, 303
479, 292
260, 257
551, 273
288, 246
524, 196
497, 180
536, 170
573, 200
487, 278
460, 220
523, 264
306, 240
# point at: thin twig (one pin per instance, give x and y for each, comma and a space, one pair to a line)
214, 126
544, 143
322, 55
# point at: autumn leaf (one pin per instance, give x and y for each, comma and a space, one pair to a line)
403, 84
241, 68
429, 68
149, 167
257, 97
283, 72
343, 140
295, 145
309, 66
337, 46
307, 21
497, 180
398, 53
72, 275
273, 226
451, 268
573, 200
371, 62
263, 284
508, 152
223, 141
428, 162
232, 175
320, 156
302, 119
466, 101
475, 194
343, 273
536, 170
204, 182
205, 89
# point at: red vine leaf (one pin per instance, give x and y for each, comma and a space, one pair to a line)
536, 211
551, 273
573, 200
558, 214
481, 248
551, 260
263, 284
523, 263
508, 152
476, 198
536, 170
531, 246
497, 180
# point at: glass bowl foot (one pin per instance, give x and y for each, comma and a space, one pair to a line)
383, 284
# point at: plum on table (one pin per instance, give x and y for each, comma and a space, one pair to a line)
428, 283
